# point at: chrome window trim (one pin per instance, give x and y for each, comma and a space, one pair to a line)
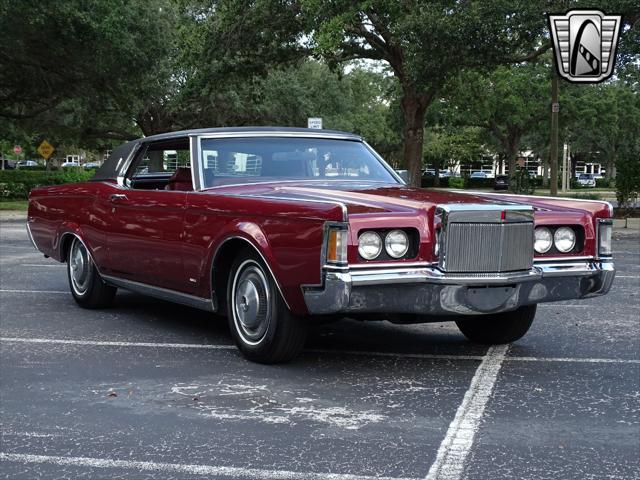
258, 134
197, 151
126, 164
196, 166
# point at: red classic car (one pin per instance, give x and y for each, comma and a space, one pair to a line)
278, 227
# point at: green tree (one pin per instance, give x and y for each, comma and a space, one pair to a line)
508, 104
426, 44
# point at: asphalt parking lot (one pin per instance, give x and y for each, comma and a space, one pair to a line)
148, 389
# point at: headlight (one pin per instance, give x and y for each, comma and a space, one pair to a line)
543, 240
369, 245
564, 239
604, 238
396, 243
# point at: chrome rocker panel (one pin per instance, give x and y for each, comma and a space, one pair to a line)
428, 291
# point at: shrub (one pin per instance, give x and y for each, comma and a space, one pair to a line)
456, 182
479, 182
603, 183
429, 182
16, 184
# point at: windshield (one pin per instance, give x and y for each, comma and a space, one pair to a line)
585, 176
250, 160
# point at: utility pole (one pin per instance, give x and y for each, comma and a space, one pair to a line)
553, 149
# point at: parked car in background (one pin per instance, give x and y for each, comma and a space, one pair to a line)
586, 180
70, 165
26, 164
256, 230
7, 164
91, 165
479, 175
501, 182
404, 175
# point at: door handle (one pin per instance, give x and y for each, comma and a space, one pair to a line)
117, 197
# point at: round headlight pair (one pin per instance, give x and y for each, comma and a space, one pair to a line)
396, 244
564, 239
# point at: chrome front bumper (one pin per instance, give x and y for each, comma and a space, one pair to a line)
426, 290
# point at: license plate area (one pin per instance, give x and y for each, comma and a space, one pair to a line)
487, 299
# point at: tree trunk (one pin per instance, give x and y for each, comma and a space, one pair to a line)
413, 111
511, 149
611, 166
436, 178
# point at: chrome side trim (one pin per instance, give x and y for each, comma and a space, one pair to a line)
542, 260
599, 223
391, 265
29, 234
215, 256
162, 293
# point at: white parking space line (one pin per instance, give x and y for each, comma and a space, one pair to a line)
33, 291
97, 343
43, 265
627, 276
572, 359
205, 346
457, 443
184, 469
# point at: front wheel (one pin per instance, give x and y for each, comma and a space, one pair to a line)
87, 287
498, 328
262, 326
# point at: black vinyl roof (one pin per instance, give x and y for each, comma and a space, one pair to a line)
111, 167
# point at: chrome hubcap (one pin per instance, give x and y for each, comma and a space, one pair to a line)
79, 267
251, 306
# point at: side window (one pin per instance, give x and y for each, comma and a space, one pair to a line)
158, 163
232, 163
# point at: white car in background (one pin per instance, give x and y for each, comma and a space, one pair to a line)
92, 165
70, 165
586, 180
26, 164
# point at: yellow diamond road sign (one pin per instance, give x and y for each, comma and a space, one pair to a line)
45, 150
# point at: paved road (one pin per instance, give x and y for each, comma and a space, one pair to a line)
147, 389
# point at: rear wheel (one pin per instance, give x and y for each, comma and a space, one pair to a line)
262, 326
498, 328
87, 287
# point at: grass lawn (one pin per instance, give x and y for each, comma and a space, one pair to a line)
13, 205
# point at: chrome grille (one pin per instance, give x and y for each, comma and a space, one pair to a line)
487, 247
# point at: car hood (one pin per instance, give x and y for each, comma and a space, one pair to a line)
363, 198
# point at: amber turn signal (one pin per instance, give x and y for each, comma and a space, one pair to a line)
337, 246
